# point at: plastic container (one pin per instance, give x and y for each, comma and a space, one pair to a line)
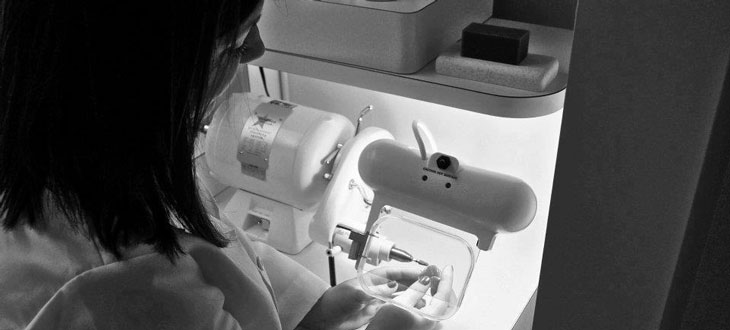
436, 244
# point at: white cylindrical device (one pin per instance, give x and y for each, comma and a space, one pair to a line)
274, 149
471, 199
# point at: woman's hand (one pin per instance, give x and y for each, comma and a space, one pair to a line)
392, 317
346, 306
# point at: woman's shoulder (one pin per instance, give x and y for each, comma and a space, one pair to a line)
145, 291
35, 263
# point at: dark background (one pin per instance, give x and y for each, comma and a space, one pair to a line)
556, 13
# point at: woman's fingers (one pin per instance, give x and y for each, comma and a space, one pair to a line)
435, 273
444, 285
401, 275
444, 297
390, 282
415, 292
386, 289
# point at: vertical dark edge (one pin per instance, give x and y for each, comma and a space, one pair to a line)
524, 322
705, 208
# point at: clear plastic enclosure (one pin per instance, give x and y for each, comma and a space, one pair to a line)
438, 246
404, 7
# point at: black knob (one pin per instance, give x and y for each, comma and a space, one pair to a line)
443, 162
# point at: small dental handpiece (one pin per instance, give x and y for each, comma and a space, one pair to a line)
403, 256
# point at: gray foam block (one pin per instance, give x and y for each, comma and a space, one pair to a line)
534, 73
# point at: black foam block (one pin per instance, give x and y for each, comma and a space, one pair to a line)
494, 43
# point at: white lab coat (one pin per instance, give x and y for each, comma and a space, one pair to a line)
55, 278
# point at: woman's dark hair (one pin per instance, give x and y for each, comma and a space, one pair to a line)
100, 105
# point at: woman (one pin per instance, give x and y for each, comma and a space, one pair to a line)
104, 228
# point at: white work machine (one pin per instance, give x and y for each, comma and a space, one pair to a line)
307, 175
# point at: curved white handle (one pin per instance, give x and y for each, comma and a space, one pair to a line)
425, 141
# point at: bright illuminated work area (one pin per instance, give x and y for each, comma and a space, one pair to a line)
428, 153
365, 164
366, 155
